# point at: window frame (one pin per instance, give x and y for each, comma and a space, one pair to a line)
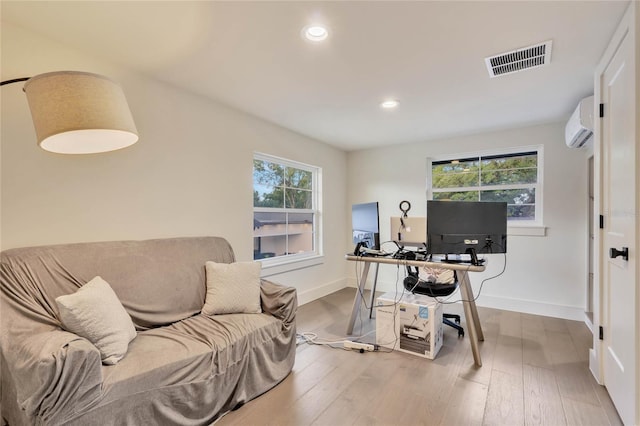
285, 263
514, 227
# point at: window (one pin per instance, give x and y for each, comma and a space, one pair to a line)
511, 177
285, 210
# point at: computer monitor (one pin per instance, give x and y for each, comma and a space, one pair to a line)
472, 227
365, 224
410, 231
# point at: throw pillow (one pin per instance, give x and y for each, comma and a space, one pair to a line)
232, 288
95, 313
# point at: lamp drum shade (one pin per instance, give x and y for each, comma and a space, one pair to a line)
79, 113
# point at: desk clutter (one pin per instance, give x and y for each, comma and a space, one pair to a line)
462, 271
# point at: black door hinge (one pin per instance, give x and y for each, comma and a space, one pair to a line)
601, 333
601, 222
601, 110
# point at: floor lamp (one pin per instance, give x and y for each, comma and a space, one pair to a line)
78, 112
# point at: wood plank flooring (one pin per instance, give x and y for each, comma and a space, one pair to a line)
535, 372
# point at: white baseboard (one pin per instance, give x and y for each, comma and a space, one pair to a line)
532, 307
506, 304
321, 291
589, 322
381, 287
594, 366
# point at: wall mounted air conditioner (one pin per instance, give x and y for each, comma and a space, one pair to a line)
579, 129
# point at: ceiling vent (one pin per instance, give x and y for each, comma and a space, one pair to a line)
519, 60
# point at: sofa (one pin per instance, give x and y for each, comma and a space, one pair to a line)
183, 367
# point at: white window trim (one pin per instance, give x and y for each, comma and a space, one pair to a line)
282, 264
520, 228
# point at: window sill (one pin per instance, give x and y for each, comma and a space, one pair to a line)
527, 230
279, 266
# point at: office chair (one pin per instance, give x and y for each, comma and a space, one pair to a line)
415, 285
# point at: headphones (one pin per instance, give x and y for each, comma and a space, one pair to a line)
412, 280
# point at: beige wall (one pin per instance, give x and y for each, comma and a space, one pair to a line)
545, 275
190, 174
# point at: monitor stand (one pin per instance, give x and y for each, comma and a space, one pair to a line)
474, 256
362, 244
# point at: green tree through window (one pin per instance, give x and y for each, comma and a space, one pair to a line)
280, 186
510, 178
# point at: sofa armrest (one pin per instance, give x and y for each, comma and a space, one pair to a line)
279, 301
57, 374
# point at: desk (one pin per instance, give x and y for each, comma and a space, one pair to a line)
470, 311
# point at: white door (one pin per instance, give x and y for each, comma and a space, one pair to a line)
619, 203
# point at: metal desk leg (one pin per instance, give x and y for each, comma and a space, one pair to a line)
474, 309
373, 290
357, 301
471, 316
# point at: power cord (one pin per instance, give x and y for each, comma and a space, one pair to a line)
504, 268
313, 339
346, 344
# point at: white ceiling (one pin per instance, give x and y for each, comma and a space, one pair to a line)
429, 55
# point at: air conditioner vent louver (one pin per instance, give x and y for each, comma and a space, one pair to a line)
519, 60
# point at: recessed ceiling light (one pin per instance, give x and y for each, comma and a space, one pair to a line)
316, 33
389, 104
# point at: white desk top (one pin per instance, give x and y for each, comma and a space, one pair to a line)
405, 262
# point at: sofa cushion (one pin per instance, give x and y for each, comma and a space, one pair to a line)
193, 350
232, 288
95, 313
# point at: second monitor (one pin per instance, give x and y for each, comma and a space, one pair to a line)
409, 231
365, 226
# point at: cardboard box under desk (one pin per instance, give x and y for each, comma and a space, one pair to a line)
412, 324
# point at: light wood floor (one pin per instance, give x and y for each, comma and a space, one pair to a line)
535, 371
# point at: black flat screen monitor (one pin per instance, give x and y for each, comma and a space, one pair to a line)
459, 227
365, 224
